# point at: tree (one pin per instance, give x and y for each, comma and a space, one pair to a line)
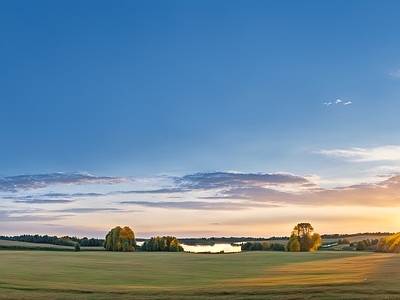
174, 246
266, 246
246, 246
303, 229
316, 242
345, 241
77, 247
256, 246
277, 247
295, 246
305, 243
293, 237
360, 246
301, 235
120, 239
165, 243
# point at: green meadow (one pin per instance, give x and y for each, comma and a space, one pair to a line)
155, 275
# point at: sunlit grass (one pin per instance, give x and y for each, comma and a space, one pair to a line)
251, 275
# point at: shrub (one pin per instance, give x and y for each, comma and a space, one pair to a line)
77, 247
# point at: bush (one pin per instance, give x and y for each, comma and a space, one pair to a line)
246, 246
256, 246
77, 247
344, 242
277, 247
361, 246
266, 246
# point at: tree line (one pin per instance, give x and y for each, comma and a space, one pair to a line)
262, 246
366, 244
389, 244
228, 240
123, 239
165, 243
54, 240
340, 235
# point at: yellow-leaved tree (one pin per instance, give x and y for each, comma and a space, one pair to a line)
303, 239
389, 243
120, 239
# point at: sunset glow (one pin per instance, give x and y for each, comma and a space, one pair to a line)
199, 119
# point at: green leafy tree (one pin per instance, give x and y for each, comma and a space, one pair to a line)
246, 246
266, 246
277, 247
256, 246
361, 246
77, 247
293, 237
345, 241
165, 243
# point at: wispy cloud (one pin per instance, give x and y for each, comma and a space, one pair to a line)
347, 103
197, 205
43, 201
385, 169
220, 186
171, 190
327, 103
366, 154
87, 210
223, 191
37, 181
48, 198
385, 193
21, 216
218, 180
382, 194
338, 101
225, 181
395, 74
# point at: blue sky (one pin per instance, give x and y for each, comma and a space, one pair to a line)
207, 118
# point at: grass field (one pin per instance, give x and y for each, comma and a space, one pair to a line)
250, 275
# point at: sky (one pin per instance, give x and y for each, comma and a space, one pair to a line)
199, 118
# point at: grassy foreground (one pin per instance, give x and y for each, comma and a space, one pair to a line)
251, 275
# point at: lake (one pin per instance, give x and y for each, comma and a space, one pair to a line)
216, 248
